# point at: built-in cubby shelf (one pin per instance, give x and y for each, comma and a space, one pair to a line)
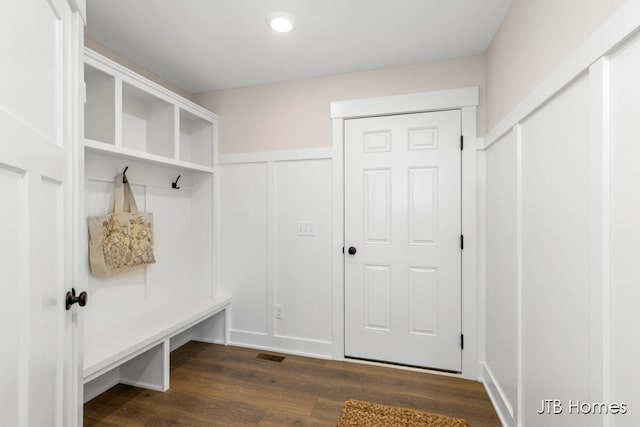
100, 106
147, 122
128, 115
135, 318
195, 133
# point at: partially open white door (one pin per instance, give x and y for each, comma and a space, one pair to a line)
35, 192
402, 237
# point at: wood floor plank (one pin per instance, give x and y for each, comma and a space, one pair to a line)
277, 419
214, 385
326, 409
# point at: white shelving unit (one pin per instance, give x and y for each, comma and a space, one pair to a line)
147, 122
135, 318
99, 109
195, 134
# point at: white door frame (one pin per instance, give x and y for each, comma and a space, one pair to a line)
465, 100
75, 92
74, 395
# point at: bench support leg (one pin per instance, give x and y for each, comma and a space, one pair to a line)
149, 370
212, 330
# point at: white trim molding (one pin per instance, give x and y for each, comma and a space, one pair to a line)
452, 99
79, 6
497, 396
275, 156
465, 100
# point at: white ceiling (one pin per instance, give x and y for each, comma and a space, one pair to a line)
203, 45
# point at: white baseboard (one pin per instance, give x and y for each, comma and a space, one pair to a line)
500, 403
290, 345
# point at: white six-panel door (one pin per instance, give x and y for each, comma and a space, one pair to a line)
35, 138
402, 220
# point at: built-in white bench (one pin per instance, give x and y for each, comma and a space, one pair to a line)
136, 352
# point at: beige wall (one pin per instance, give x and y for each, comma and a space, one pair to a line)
114, 56
295, 114
534, 39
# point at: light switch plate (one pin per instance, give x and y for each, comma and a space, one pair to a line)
306, 229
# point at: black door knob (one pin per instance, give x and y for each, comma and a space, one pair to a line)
352, 250
82, 299
71, 299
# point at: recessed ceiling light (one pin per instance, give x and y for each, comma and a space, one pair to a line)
280, 23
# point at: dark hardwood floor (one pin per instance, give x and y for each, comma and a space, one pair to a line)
213, 385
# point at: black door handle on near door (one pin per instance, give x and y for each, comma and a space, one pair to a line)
352, 250
71, 299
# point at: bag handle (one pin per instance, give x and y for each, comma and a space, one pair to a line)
124, 200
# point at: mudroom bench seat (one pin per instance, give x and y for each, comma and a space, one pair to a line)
136, 352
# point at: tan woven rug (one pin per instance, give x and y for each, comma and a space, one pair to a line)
367, 414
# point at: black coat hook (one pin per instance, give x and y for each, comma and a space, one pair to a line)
124, 175
175, 184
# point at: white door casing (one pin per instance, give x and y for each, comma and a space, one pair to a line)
466, 101
38, 44
403, 218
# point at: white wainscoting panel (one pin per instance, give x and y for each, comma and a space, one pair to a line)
624, 351
555, 243
14, 190
501, 274
303, 263
242, 244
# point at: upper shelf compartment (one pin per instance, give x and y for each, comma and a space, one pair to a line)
100, 107
147, 122
196, 135
130, 116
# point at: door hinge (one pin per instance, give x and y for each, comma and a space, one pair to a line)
461, 142
461, 242
462, 341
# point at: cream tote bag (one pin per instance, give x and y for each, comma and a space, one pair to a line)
123, 239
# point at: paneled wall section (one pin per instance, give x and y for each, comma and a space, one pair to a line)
562, 206
263, 260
